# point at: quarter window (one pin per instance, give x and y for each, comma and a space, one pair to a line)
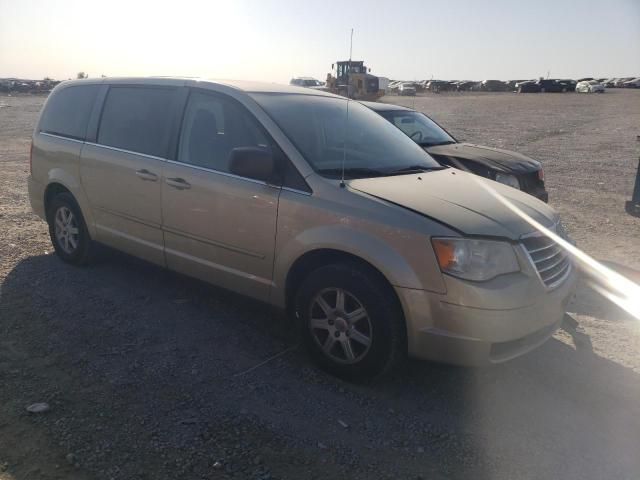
68, 110
212, 127
137, 119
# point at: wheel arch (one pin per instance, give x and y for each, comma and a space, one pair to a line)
400, 261
53, 189
60, 181
319, 257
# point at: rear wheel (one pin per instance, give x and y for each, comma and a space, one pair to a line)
350, 321
68, 231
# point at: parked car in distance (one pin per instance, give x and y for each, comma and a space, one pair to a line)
568, 84
543, 85
494, 86
528, 86
590, 86
510, 168
619, 83
308, 82
437, 86
393, 86
633, 83
407, 89
552, 86
466, 85
421, 86
513, 84
374, 249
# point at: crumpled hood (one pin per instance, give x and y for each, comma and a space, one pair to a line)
494, 158
457, 199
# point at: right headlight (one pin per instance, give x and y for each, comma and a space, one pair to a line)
473, 259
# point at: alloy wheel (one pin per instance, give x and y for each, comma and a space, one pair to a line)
66, 230
340, 325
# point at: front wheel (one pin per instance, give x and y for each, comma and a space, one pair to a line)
68, 230
350, 321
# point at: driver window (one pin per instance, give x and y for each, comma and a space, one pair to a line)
212, 127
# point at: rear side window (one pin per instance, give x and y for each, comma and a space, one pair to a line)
137, 119
67, 111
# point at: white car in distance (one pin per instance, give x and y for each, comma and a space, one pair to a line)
590, 86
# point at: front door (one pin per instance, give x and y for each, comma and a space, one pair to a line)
218, 226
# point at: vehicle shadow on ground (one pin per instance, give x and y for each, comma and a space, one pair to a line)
133, 358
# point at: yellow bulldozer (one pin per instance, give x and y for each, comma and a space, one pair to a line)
353, 80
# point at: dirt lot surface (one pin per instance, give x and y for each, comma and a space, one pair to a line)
150, 375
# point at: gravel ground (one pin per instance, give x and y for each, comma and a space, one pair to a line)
150, 375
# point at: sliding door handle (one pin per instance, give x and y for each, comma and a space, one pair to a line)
145, 174
179, 183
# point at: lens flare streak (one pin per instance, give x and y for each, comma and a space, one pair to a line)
610, 284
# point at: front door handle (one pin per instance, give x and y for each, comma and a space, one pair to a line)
145, 174
179, 183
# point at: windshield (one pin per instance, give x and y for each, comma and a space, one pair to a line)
368, 144
417, 126
310, 83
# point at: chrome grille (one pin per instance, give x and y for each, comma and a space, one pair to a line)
550, 260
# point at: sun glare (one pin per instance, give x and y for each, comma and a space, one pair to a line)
610, 284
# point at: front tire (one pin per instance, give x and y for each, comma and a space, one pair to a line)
351, 322
68, 230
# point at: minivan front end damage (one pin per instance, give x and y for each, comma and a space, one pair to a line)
481, 319
483, 323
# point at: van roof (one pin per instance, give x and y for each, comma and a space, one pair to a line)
243, 85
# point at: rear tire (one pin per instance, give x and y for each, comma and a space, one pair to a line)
68, 230
350, 321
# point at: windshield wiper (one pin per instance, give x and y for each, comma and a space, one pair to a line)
436, 144
352, 172
413, 169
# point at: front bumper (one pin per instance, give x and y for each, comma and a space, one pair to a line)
460, 334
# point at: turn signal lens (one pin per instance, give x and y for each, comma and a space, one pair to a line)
445, 253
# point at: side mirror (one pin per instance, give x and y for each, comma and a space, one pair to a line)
252, 162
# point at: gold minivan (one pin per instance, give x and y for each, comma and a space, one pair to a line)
306, 201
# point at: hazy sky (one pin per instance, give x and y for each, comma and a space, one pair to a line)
274, 40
